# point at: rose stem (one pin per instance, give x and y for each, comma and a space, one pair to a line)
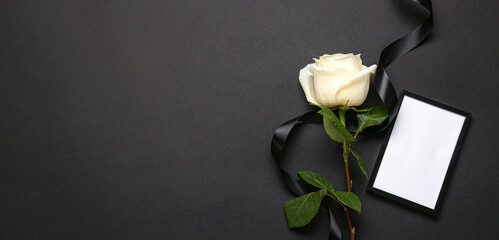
341, 113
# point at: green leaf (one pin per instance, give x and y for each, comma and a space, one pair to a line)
331, 131
317, 180
360, 162
300, 211
349, 199
334, 128
376, 116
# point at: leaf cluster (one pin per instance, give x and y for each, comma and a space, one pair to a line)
372, 116
301, 210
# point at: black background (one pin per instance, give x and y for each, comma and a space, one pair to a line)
153, 119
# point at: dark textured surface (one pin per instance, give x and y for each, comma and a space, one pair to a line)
152, 119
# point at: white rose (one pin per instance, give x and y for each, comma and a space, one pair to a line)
334, 80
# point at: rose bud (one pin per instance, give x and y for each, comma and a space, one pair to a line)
335, 80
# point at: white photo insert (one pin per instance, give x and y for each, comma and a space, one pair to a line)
419, 151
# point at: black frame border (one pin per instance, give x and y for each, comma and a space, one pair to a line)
443, 189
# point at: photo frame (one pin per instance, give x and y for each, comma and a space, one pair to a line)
419, 152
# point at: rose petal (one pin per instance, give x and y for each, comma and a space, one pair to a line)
307, 83
349, 62
355, 89
326, 83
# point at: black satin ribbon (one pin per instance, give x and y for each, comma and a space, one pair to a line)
390, 53
292, 180
384, 89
